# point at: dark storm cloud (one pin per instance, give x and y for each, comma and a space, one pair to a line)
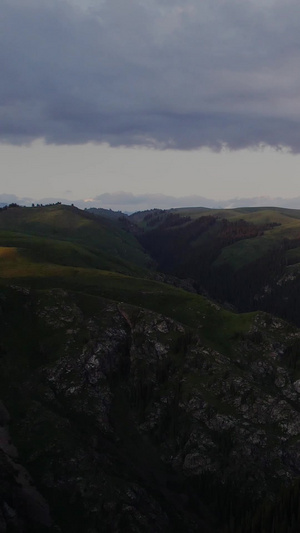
168, 74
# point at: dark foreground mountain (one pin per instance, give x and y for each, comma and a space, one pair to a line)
128, 421
132, 405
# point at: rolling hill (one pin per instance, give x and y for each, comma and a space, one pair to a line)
248, 257
69, 236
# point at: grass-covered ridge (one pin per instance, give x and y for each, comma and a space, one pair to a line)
242, 256
61, 246
274, 225
216, 325
66, 235
44, 247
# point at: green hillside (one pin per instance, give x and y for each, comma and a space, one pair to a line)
69, 236
216, 325
248, 257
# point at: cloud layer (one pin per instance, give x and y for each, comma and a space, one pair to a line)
176, 74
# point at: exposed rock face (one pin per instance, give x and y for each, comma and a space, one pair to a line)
22, 508
119, 412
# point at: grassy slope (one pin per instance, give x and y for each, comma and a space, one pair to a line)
61, 252
51, 254
59, 246
66, 235
246, 251
216, 325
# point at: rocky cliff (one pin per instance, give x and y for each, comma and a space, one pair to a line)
127, 420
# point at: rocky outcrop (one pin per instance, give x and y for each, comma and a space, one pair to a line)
123, 416
22, 507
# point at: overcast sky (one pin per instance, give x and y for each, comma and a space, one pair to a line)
181, 98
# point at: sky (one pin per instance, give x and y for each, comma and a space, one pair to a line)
133, 104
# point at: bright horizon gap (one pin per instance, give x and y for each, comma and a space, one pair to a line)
87, 171
128, 203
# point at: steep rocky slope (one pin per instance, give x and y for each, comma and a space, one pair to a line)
129, 421
22, 508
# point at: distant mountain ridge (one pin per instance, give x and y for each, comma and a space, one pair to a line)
128, 203
109, 213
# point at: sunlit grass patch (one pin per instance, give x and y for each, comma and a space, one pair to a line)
8, 253
72, 225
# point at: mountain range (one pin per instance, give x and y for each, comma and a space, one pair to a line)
150, 370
